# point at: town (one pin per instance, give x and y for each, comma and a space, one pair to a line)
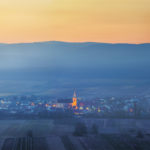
46, 106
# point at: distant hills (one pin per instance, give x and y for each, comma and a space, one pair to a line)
55, 68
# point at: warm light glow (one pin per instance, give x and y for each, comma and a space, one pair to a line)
99, 110
131, 110
81, 108
2, 102
74, 99
74, 103
112, 21
46, 105
32, 104
87, 108
54, 105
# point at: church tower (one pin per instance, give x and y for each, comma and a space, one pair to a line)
74, 99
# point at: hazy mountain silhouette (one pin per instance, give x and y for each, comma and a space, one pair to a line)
58, 67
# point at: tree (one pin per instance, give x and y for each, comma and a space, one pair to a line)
140, 134
29, 133
94, 129
80, 129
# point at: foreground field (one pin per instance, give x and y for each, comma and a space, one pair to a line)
19, 128
57, 135
99, 142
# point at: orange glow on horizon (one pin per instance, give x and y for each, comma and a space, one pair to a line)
109, 21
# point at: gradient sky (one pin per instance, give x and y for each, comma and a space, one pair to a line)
115, 21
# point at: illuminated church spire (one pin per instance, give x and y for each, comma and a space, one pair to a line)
74, 99
74, 94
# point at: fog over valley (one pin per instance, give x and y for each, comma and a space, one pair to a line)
56, 68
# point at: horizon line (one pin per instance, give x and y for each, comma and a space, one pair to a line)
12, 43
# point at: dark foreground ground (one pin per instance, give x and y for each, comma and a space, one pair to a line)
58, 135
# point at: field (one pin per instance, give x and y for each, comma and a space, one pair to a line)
57, 135
19, 128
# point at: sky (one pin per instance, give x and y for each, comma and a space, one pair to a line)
109, 21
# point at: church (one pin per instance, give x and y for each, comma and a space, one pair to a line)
68, 103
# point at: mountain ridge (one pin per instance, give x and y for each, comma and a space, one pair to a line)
56, 67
